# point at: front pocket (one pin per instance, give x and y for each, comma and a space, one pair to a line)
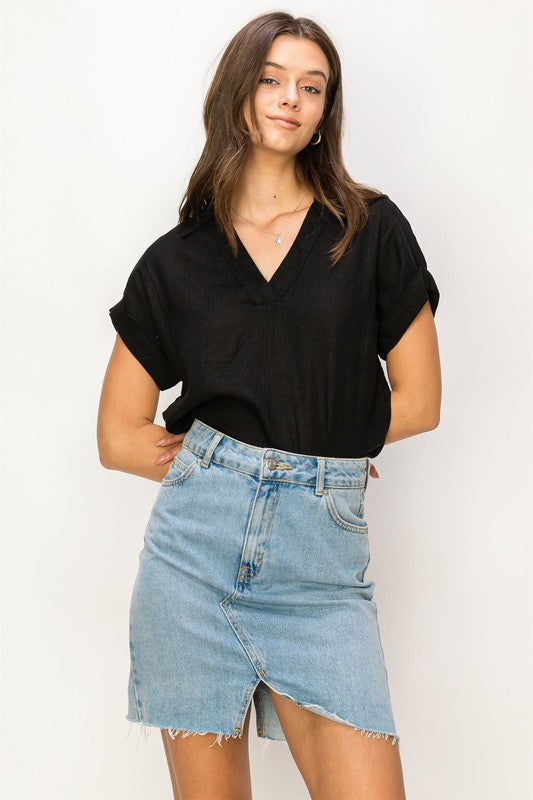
346, 507
181, 467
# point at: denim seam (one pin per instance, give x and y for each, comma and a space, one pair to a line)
342, 523
134, 682
183, 475
233, 620
248, 693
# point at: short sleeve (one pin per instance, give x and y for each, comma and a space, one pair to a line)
139, 319
404, 283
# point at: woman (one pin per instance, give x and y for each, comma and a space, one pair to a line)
272, 300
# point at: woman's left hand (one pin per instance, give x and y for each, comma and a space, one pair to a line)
170, 440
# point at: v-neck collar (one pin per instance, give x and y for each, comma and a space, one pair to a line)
245, 270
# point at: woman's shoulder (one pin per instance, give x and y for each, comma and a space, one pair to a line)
385, 210
163, 250
383, 207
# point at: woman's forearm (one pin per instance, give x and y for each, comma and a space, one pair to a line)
135, 451
407, 418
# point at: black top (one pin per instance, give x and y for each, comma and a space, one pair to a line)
291, 363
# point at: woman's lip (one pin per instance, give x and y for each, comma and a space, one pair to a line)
284, 123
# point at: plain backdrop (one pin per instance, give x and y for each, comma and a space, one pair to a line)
101, 127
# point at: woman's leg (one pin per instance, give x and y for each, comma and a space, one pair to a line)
201, 772
337, 761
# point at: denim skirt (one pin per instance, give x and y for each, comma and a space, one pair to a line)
251, 578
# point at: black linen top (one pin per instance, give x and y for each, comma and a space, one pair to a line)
293, 362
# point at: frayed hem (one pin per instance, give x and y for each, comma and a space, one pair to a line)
173, 732
363, 731
146, 730
330, 715
378, 735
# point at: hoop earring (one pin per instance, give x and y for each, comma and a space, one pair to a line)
319, 138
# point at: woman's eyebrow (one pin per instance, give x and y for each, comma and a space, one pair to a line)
308, 72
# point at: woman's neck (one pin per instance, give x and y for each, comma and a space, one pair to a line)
267, 196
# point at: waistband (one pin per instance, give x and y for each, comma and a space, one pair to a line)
270, 463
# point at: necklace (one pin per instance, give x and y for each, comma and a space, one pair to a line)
277, 236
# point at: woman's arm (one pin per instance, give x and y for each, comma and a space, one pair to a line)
413, 369
126, 433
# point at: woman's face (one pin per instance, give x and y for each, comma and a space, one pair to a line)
294, 88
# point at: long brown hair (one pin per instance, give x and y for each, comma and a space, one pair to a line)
223, 158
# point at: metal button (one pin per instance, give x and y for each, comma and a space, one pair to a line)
272, 463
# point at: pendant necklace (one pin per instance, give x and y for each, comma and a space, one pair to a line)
277, 236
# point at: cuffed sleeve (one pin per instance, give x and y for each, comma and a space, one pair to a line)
404, 282
138, 318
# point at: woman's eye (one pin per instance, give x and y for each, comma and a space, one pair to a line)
315, 91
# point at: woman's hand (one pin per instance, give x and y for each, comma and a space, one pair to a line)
169, 441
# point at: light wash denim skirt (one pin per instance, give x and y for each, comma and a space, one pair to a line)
252, 575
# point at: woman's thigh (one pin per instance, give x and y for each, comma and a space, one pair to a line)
337, 761
201, 772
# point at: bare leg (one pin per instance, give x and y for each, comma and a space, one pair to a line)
201, 772
168, 752
337, 761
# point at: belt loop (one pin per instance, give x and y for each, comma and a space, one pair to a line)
209, 452
367, 470
320, 472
